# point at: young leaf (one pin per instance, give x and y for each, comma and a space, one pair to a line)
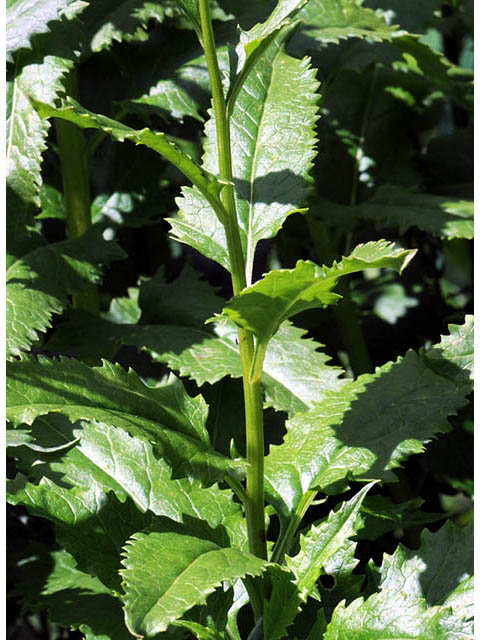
35, 293
272, 151
323, 541
364, 430
262, 307
165, 416
69, 109
185, 571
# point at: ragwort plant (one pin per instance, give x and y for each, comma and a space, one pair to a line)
159, 533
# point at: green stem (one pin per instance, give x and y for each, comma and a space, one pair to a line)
285, 542
76, 190
252, 391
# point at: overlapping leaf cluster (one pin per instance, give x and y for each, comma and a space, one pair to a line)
141, 477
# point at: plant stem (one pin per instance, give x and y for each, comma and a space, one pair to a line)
76, 190
252, 390
284, 544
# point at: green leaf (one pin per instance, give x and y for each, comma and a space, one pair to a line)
323, 541
27, 18
269, 187
72, 598
281, 609
37, 74
328, 21
35, 293
364, 430
280, 294
441, 564
191, 9
443, 217
68, 109
393, 615
113, 21
165, 416
452, 357
200, 632
112, 460
90, 524
186, 570
379, 516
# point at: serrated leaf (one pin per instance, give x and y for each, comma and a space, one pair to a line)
73, 599
282, 607
112, 460
327, 21
166, 416
191, 9
186, 570
264, 141
35, 293
280, 294
379, 515
442, 563
27, 18
452, 357
38, 74
441, 216
113, 21
323, 541
393, 615
90, 524
364, 430
68, 109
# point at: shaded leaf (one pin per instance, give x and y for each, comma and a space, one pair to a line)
364, 430
34, 291
166, 416
281, 609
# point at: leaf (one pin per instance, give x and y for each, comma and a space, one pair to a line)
112, 21
181, 92
441, 216
185, 571
379, 516
68, 109
281, 609
327, 21
73, 599
191, 9
392, 615
269, 186
323, 541
35, 293
282, 293
26, 18
453, 356
112, 460
90, 524
165, 416
364, 430
441, 564
38, 74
